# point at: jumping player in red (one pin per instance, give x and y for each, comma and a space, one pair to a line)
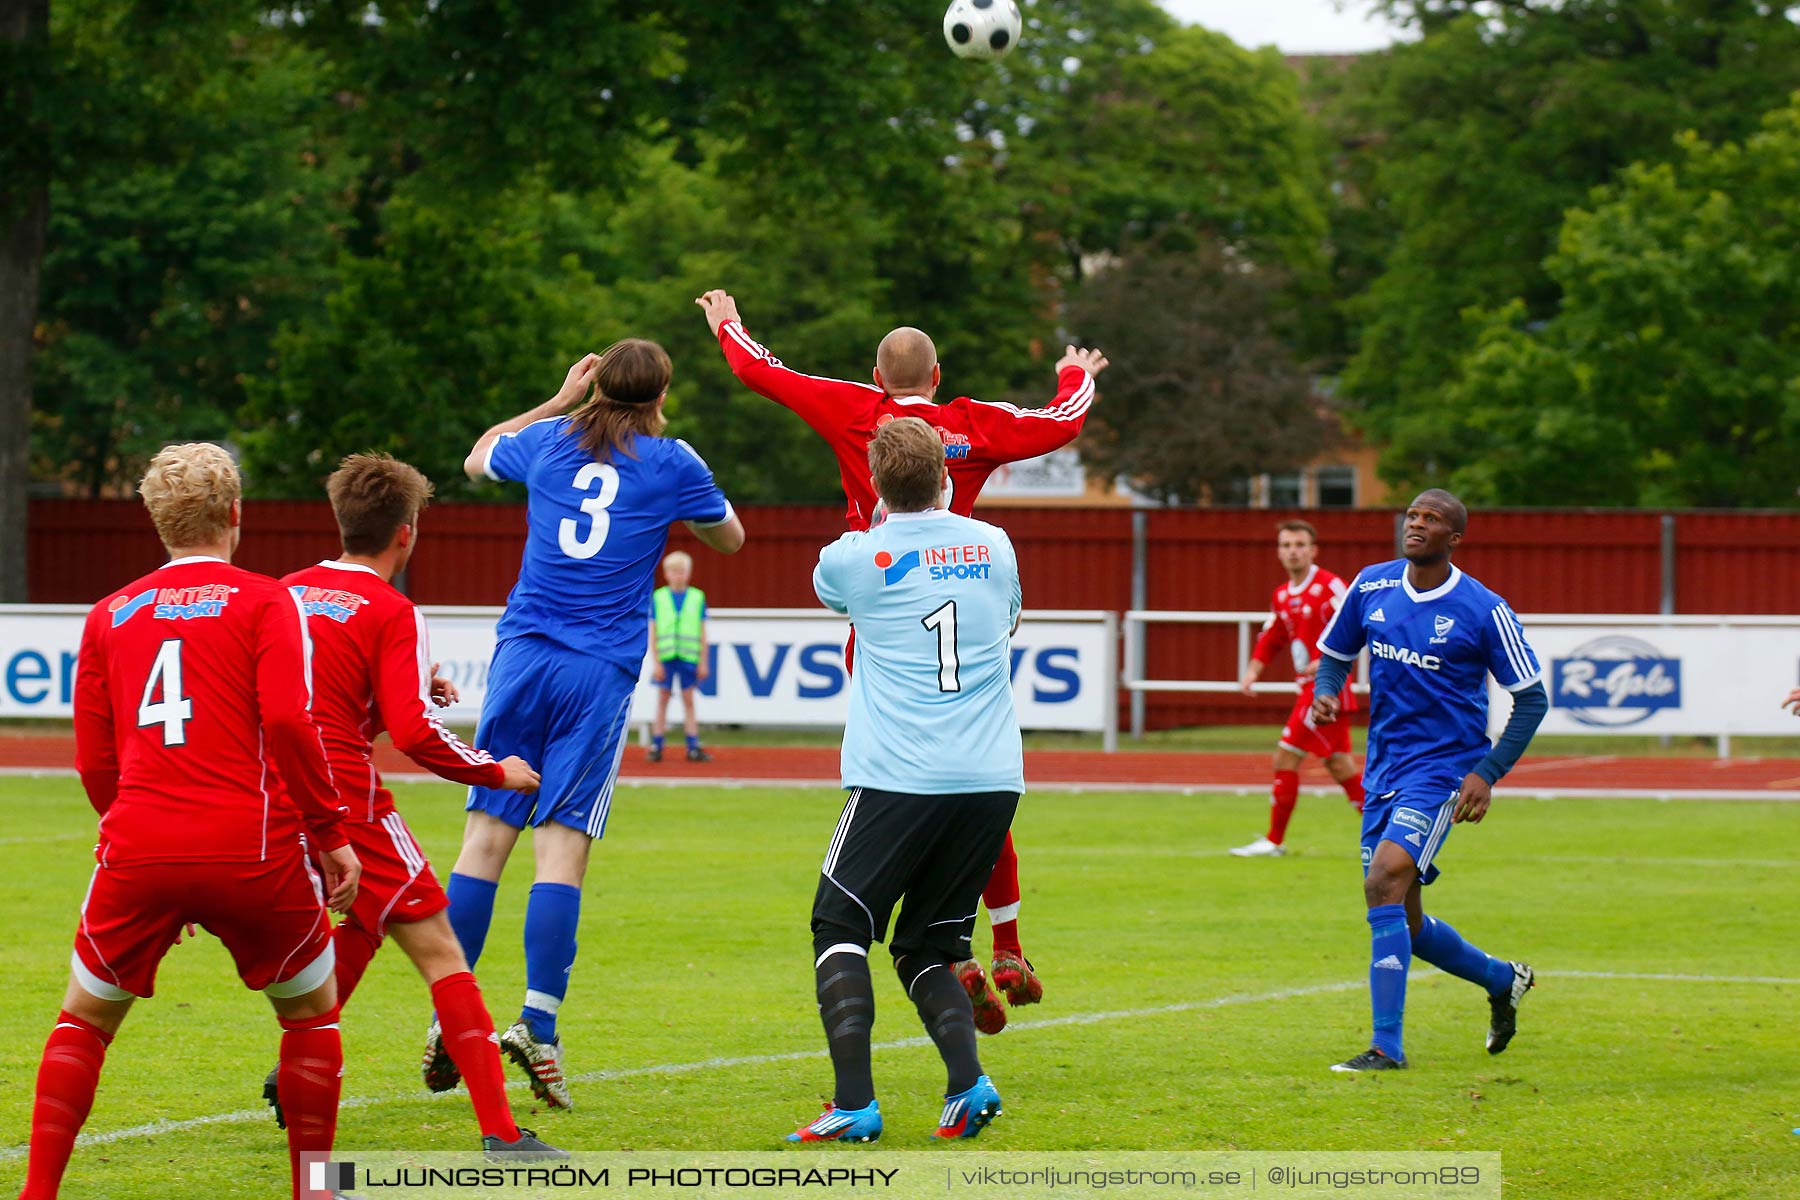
372, 670
1301, 609
978, 439
191, 684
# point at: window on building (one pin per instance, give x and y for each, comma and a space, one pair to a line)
1285, 490
1235, 494
1336, 486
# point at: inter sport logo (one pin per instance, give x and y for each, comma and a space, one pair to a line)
943, 562
893, 572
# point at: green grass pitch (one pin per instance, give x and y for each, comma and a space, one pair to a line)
695, 949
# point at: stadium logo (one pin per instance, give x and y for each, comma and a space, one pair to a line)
943, 562
123, 608
1375, 585
1613, 681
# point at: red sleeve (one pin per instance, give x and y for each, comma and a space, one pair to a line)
284, 695
1008, 434
403, 695
1274, 636
96, 743
830, 406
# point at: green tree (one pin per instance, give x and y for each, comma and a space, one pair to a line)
1670, 374
1480, 136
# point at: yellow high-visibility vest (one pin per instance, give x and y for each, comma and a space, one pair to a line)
678, 633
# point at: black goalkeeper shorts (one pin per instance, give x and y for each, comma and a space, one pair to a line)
935, 851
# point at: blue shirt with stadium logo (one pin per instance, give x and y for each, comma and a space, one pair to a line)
595, 534
1430, 654
934, 598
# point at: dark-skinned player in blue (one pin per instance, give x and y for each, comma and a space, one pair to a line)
1434, 635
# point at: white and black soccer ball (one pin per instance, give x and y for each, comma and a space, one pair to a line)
982, 29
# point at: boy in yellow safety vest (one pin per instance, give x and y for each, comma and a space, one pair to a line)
678, 648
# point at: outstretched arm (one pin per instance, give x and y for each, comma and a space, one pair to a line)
574, 389
1012, 434
830, 406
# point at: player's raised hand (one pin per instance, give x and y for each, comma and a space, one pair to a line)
719, 308
577, 382
519, 776
443, 692
1793, 701
1472, 801
342, 873
1091, 361
1324, 709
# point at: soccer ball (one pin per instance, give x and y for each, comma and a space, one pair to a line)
982, 29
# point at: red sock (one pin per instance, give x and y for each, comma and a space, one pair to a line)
67, 1076
355, 946
469, 1037
1353, 788
1282, 799
309, 1079
1002, 901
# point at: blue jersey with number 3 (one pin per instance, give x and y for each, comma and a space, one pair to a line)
596, 533
934, 598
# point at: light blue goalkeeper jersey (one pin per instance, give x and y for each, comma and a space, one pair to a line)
934, 598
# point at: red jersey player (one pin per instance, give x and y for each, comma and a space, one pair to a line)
1299, 612
978, 438
191, 683
372, 670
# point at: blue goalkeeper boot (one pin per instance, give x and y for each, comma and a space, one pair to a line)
841, 1125
968, 1113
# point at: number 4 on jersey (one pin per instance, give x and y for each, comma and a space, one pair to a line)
174, 710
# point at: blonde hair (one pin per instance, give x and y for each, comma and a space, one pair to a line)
678, 558
633, 373
189, 490
373, 495
907, 460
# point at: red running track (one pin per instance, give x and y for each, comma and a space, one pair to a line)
1601, 774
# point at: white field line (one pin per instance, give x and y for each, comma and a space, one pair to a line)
154, 1128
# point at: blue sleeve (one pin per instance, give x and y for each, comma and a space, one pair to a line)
1530, 704
828, 581
697, 497
1332, 674
1509, 655
1343, 638
511, 455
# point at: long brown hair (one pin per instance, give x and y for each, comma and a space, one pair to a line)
632, 374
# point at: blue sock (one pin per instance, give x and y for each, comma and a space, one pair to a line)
656, 741
551, 917
471, 912
693, 741
1441, 946
1390, 957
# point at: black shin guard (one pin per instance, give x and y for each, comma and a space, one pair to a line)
944, 1008
847, 1008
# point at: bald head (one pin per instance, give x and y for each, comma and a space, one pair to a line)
906, 362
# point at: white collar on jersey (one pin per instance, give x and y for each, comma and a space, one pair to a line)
925, 400
335, 565
1442, 589
1294, 589
922, 515
192, 558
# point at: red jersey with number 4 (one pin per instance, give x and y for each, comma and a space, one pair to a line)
978, 437
191, 693
372, 671
1298, 615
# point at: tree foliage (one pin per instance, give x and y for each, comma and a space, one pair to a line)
1670, 374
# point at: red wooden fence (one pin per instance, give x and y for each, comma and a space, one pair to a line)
1541, 560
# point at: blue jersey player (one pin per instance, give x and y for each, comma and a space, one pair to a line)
602, 490
1434, 636
933, 765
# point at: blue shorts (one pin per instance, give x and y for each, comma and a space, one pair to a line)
678, 673
1418, 827
568, 716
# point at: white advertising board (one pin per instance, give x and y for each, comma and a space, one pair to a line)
780, 667
1708, 676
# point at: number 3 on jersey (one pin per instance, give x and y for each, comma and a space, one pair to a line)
942, 621
595, 507
174, 710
